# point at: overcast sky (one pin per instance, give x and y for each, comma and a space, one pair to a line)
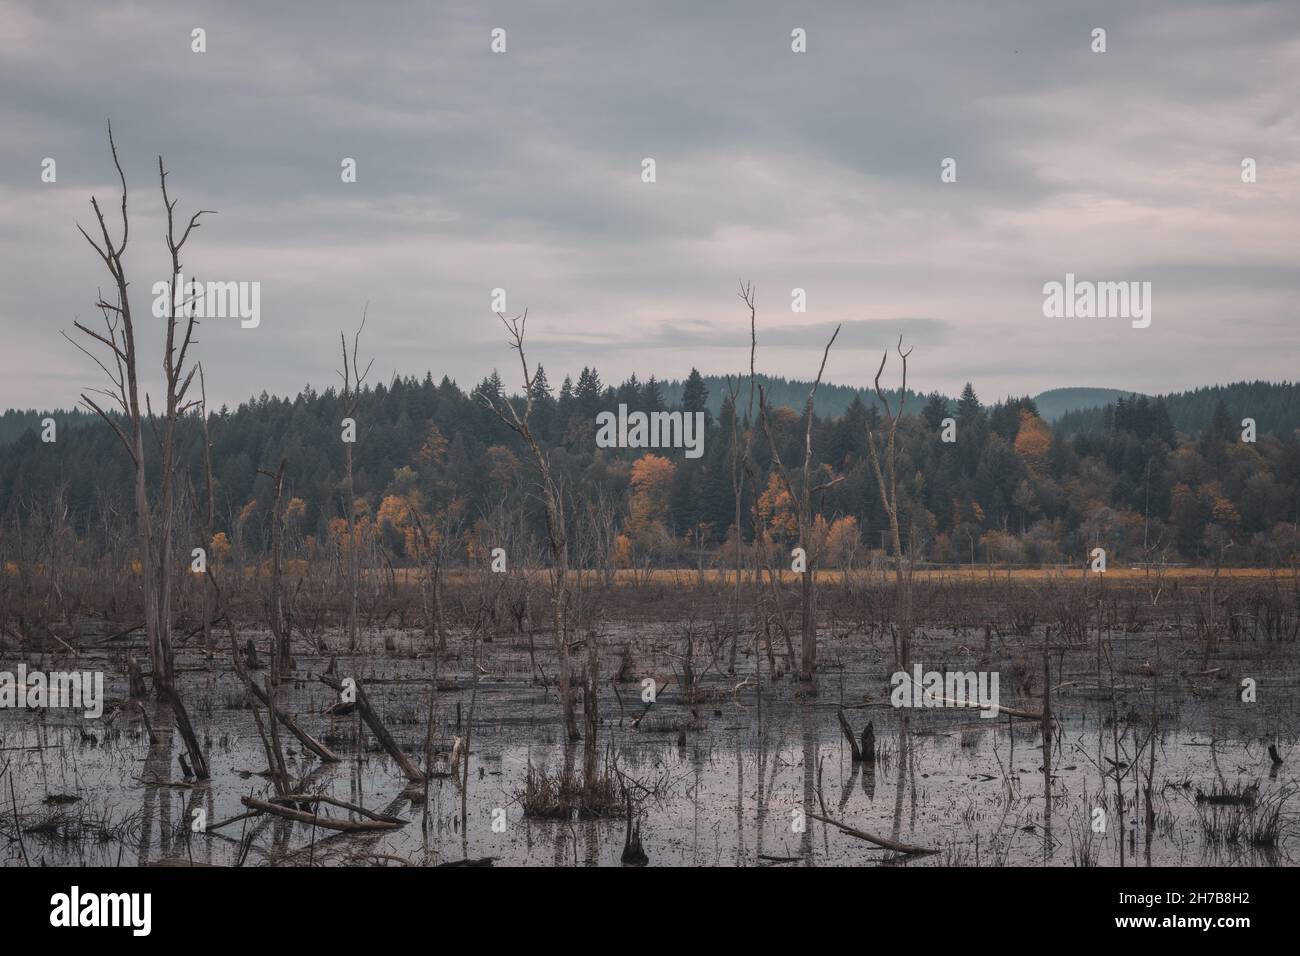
522, 170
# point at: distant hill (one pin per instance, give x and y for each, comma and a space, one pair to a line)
1055, 402
832, 400
1275, 406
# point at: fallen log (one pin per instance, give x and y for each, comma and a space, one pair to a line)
341, 804
878, 841
412, 772
306, 739
991, 709
481, 861
316, 820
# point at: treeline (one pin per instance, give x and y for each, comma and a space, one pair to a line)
1275, 407
1008, 488
832, 400
15, 421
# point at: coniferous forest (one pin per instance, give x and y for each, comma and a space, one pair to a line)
1165, 479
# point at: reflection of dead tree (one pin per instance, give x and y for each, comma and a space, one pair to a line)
154, 538
634, 853
556, 529
353, 377
887, 482
803, 502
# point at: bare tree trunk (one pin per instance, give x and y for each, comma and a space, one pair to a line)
281, 660
888, 486
154, 540
353, 377
807, 529
556, 528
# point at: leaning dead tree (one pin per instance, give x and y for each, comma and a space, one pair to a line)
556, 529
802, 497
888, 485
154, 518
353, 377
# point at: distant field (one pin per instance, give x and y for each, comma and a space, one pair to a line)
690, 576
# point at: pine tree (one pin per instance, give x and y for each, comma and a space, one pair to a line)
588, 393
652, 396
935, 411
968, 406
695, 394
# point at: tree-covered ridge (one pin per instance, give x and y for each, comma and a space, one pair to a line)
1010, 488
832, 400
1275, 407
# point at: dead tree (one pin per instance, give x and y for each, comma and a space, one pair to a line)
803, 500
436, 545
281, 661
353, 378
888, 485
154, 519
556, 529
742, 462
206, 515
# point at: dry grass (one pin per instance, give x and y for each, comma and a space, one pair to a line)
561, 796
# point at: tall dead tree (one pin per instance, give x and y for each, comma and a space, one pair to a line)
556, 529
205, 513
281, 661
353, 378
742, 462
154, 519
888, 485
807, 532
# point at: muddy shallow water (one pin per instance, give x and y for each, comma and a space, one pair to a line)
734, 793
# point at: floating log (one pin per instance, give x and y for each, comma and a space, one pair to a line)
316, 820
878, 841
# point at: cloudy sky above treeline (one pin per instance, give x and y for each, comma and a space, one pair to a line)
522, 170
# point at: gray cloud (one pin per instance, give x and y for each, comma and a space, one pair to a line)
817, 171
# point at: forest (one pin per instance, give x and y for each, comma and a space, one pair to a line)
1164, 479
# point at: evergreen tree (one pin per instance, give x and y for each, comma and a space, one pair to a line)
652, 396
695, 394
935, 411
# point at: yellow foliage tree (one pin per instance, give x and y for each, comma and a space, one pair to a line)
1033, 443
652, 480
776, 508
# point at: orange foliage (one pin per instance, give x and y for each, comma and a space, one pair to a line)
652, 479
777, 508
1033, 443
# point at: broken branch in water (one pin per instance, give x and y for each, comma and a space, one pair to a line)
878, 841
412, 772
376, 821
